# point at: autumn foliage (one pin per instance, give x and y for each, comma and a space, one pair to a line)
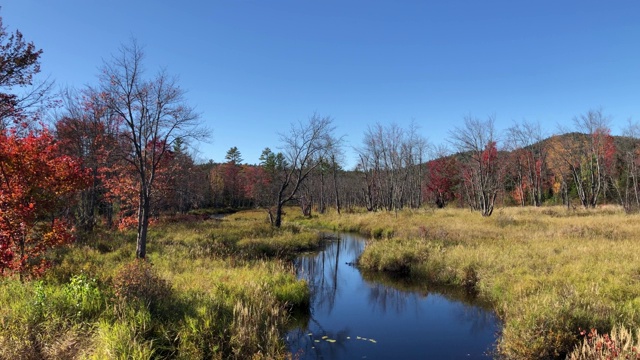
443, 178
36, 186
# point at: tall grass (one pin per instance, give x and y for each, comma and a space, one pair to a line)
548, 271
211, 289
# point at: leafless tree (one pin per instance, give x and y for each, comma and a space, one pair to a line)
631, 159
322, 187
590, 174
391, 163
154, 113
335, 159
476, 143
303, 147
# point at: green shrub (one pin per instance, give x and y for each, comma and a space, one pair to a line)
84, 297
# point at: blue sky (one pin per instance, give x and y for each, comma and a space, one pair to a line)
252, 67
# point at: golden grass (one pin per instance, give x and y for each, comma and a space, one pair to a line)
547, 271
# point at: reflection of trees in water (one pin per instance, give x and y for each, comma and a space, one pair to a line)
322, 270
389, 291
384, 298
477, 318
322, 276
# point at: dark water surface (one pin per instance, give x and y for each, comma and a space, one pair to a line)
356, 316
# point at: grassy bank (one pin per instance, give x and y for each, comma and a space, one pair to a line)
211, 289
548, 272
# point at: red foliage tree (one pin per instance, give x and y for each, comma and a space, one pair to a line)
237, 185
443, 177
186, 184
36, 185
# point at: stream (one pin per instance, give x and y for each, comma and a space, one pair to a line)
355, 315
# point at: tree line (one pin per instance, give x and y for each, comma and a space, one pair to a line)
116, 154
583, 165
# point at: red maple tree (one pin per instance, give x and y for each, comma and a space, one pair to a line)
443, 177
37, 184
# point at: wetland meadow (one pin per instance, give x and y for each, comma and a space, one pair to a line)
531, 283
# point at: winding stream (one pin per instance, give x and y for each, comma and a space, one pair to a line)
359, 316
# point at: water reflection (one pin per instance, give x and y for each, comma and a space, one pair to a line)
356, 315
323, 271
400, 293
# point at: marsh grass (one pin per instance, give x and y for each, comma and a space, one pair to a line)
210, 289
546, 271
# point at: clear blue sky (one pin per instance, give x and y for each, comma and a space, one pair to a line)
253, 67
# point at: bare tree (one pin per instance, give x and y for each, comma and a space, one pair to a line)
303, 147
630, 153
154, 114
335, 158
322, 187
415, 149
391, 162
476, 143
590, 174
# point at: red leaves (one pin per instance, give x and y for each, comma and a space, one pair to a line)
490, 153
36, 183
254, 181
443, 177
605, 147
